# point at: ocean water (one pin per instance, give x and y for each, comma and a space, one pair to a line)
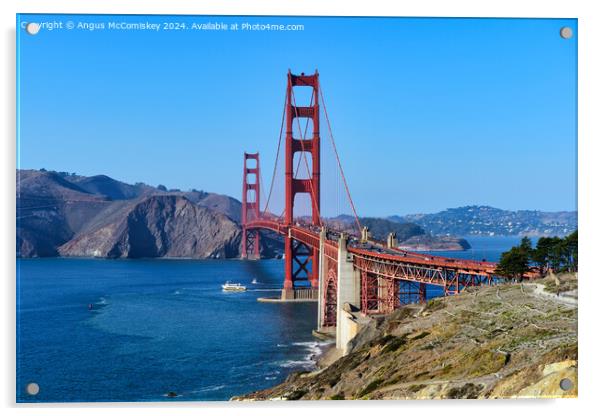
135, 330
154, 327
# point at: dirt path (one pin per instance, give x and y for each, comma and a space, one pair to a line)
565, 298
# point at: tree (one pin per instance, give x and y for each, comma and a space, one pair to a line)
557, 254
571, 247
525, 245
514, 263
542, 253
162, 188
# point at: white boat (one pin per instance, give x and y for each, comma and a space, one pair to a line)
233, 287
254, 281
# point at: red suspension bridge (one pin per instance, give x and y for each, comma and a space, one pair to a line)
335, 267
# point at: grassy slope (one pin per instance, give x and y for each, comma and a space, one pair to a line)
505, 341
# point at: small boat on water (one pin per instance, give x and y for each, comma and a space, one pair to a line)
254, 281
233, 287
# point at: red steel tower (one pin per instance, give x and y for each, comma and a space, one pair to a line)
301, 261
250, 205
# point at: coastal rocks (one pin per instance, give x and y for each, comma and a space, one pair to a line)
160, 226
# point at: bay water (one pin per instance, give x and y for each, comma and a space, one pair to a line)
144, 330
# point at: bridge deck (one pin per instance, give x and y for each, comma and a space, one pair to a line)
375, 257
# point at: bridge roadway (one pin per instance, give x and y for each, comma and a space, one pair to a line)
388, 262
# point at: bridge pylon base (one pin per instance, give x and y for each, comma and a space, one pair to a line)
299, 294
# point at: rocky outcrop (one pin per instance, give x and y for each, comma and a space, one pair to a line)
491, 342
160, 226
428, 242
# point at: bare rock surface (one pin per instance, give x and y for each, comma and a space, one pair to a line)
159, 226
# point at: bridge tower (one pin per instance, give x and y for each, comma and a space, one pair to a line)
250, 205
301, 261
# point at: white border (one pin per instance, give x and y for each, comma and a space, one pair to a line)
590, 136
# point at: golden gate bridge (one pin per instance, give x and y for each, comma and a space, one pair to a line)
334, 267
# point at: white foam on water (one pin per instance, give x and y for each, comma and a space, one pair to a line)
297, 363
305, 344
313, 348
209, 388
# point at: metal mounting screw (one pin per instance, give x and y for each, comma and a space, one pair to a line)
566, 32
566, 384
32, 389
32, 28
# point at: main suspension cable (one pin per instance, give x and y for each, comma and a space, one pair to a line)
277, 155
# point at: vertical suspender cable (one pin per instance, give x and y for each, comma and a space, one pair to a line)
357, 220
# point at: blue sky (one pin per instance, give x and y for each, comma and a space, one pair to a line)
427, 113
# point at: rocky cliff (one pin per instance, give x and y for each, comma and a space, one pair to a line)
159, 226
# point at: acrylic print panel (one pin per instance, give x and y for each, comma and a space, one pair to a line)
297, 208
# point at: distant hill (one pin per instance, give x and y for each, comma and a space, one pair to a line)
379, 227
63, 214
109, 187
69, 215
489, 221
409, 236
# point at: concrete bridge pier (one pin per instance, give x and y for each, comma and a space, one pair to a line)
321, 279
348, 296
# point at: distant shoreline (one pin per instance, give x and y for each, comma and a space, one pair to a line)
427, 249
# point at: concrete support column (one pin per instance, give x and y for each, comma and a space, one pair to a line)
391, 240
365, 236
347, 289
322, 273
